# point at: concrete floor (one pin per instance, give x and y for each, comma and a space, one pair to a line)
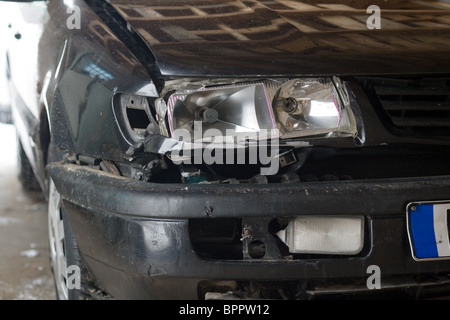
24, 252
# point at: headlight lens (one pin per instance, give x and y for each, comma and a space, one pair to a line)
243, 108
292, 107
312, 107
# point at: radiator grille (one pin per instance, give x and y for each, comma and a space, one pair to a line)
415, 104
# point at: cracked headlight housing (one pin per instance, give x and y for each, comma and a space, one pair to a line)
293, 108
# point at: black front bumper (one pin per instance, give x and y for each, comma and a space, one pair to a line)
135, 237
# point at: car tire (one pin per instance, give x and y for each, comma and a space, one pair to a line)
25, 172
65, 259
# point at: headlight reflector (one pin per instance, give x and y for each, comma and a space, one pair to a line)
311, 107
242, 108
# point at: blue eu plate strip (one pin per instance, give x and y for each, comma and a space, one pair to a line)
422, 231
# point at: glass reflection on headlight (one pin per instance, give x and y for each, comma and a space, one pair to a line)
292, 107
311, 107
243, 108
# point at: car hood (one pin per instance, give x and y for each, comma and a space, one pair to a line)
285, 38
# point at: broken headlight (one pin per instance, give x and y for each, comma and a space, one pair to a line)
293, 108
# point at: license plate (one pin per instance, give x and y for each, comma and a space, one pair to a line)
428, 230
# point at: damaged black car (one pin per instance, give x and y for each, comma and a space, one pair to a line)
260, 149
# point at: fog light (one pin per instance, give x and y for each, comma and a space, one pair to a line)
324, 235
